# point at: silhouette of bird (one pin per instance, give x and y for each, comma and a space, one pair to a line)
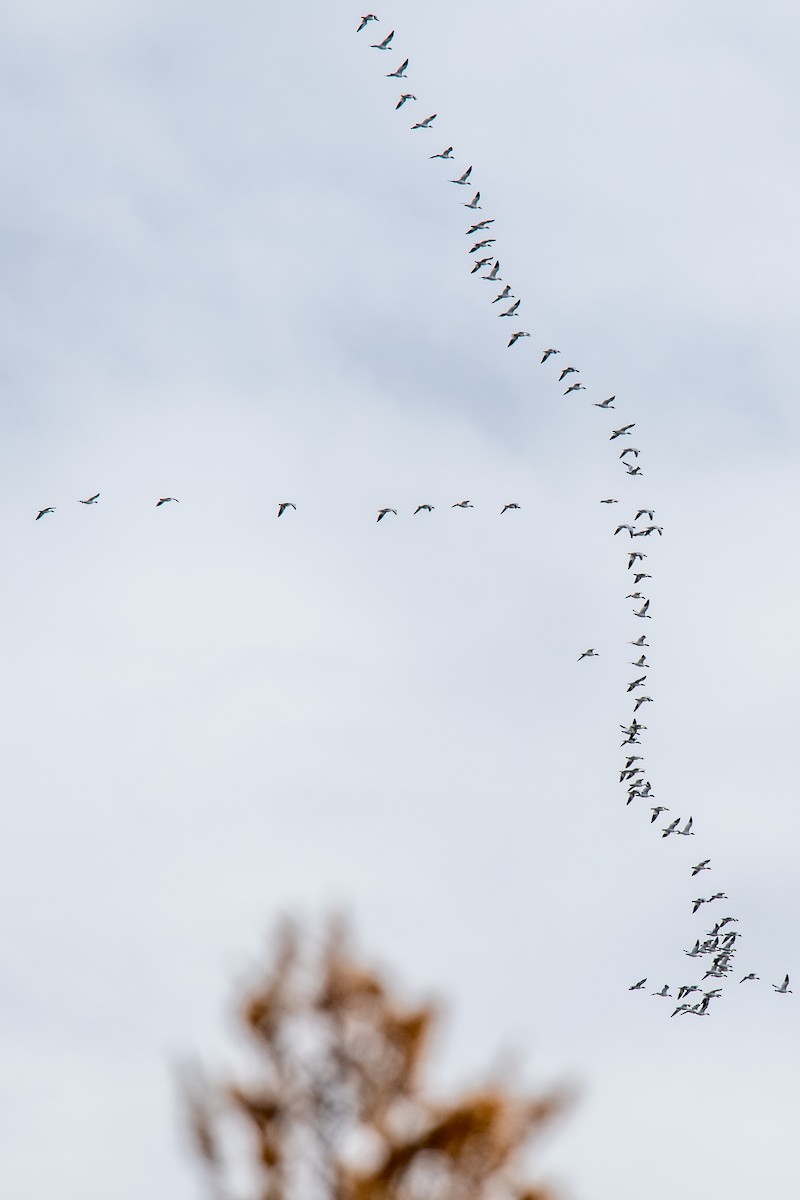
624, 431
384, 511
283, 505
42, 512
701, 866
423, 508
547, 354
92, 499
637, 986
506, 507
568, 371
516, 336
166, 500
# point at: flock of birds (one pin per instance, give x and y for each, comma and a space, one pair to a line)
285, 504
716, 948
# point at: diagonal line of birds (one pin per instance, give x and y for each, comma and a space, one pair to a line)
715, 949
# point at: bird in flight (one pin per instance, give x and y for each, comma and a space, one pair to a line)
384, 45
751, 976
701, 866
283, 505
480, 225
640, 641
426, 124
473, 203
382, 512
494, 273
423, 508
637, 986
404, 99
462, 504
42, 512
480, 263
643, 611
590, 653
506, 507
659, 808
568, 371
604, 403
547, 354
448, 153
506, 293
166, 500
622, 432
664, 991
784, 989
366, 20
482, 245
609, 501
400, 73
576, 387
511, 310
463, 179
516, 336
92, 499
640, 700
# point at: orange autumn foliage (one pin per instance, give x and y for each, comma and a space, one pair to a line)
337, 1109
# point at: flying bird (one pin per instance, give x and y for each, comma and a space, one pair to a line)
751, 976
423, 508
480, 226
506, 507
426, 124
637, 683
640, 700
701, 866
482, 245
512, 310
609, 501
659, 808
784, 989
668, 829
366, 20
166, 500
473, 203
516, 336
687, 832
400, 73
664, 991
462, 504
639, 642
643, 611
480, 264
547, 354
604, 403
568, 371
590, 653
576, 387
629, 450
637, 986
283, 505
506, 293
42, 512
384, 511
494, 273
404, 99
92, 499
463, 179
448, 153
384, 45
643, 512
625, 430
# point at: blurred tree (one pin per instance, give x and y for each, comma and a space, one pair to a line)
336, 1109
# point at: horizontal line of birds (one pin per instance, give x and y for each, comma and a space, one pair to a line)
284, 505
720, 946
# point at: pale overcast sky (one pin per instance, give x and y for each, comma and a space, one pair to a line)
232, 274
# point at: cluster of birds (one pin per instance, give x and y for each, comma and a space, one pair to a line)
285, 504
718, 946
